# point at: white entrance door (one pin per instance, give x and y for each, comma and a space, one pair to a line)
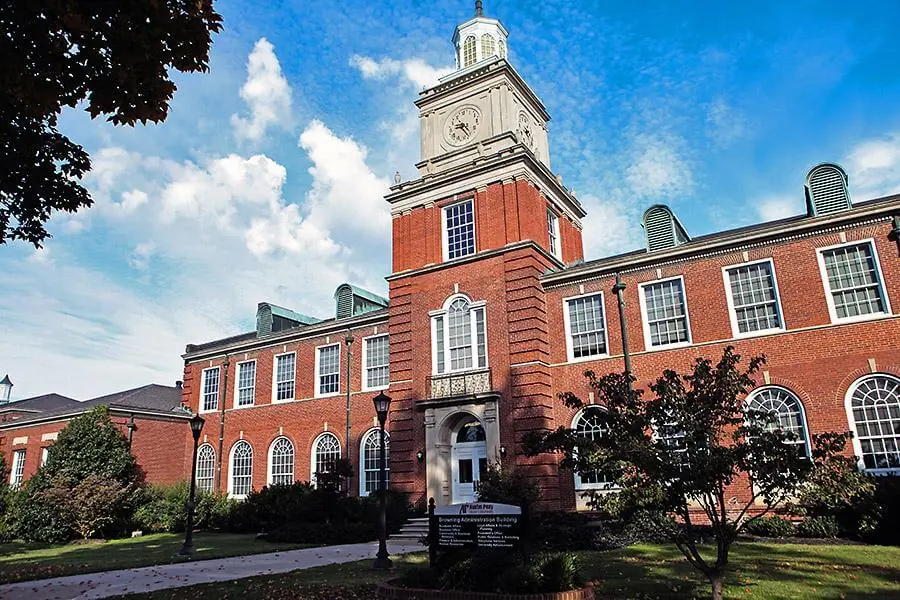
469, 462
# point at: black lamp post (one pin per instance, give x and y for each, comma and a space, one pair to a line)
382, 561
188, 548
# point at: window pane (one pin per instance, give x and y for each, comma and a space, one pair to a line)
282, 465
17, 473
469, 51
439, 342
587, 326
246, 383
482, 337
876, 413
460, 225
370, 460
377, 362
465, 470
591, 426
210, 399
329, 369
206, 468
284, 376
325, 453
460, 326
241, 469
787, 415
853, 280
754, 297
551, 231
487, 46
666, 314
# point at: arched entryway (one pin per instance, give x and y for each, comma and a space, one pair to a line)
468, 459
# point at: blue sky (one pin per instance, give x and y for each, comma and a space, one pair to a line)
266, 181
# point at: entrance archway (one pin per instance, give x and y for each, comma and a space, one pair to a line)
468, 459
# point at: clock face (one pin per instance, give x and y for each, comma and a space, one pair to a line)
462, 125
525, 133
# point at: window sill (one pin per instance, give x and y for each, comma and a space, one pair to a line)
752, 334
668, 346
376, 389
329, 395
208, 411
283, 400
860, 318
243, 406
582, 359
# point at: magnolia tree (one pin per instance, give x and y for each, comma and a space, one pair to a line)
676, 452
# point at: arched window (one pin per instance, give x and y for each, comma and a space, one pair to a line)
326, 451
469, 51
206, 467
369, 455
501, 47
240, 470
787, 411
281, 462
460, 339
590, 424
874, 407
473, 431
487, 46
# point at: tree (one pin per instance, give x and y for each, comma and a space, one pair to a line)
86, 506
680, 452
90, 448
116, 57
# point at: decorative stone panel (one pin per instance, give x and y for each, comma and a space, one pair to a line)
454, 385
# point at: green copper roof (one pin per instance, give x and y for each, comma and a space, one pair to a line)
279, 311
358, 291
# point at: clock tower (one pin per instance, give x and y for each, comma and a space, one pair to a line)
472, 236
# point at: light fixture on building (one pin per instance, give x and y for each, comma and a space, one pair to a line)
503, 451
420, 455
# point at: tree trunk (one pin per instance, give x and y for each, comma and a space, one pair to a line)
717, 581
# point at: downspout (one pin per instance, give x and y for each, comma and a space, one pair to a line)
349, 341
223, 394
618, 288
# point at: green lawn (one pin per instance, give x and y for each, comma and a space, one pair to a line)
23, 562
645, 572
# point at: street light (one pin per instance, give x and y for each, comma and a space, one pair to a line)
382, 561
188, 548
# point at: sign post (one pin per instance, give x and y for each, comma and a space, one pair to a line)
477, 525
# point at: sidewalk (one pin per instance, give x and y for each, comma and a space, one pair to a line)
148, 579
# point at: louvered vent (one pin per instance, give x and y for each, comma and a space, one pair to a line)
826, 190
344, 302
263, 319
662, 229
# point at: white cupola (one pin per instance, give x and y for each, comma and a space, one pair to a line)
478, 39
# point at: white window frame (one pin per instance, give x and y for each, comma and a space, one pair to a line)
45, 454
365, 368
203, 390
823, 273
443, 312
645, 321
314, 454
362, 457
212, 477
270, 476
732, 311
857, 446
445, 248
237, 383
579, 485
17, 469
557, 252
807, 440
234, 446
570, 350
318, 390
275, 358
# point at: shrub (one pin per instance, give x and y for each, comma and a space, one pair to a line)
770, 527
503, 572
508, 486
164, 509
818, 527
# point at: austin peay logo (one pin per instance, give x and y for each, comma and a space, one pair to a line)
476, 509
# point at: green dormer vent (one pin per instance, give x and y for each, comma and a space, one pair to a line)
827, 190
271, 318
351, 301
662, 228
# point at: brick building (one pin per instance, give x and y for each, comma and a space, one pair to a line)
492, 311
151, 416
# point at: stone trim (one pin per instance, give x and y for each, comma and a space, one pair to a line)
388, 591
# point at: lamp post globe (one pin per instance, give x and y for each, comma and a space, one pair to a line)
187, 549
382, 406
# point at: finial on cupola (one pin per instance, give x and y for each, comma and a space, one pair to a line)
397, 177
479, 9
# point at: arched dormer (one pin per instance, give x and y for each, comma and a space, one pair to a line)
827, 190
351, 301
662, 229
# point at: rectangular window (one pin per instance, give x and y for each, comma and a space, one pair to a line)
665, 313
209, 400
285, 375
377, 351
753, 298
328, 365
460, 337
45, 452
553, 233
853, 281
246, 383
439, 344
17, 473
585, 327
459, 230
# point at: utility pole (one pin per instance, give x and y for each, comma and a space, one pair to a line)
619, 288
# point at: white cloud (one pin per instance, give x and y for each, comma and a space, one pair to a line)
414, 71
773, 208
658, 169
724, 124
873, 167
267, 94
140, 256
131, 200
611, 226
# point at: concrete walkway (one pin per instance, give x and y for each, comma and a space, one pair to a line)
148, 579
